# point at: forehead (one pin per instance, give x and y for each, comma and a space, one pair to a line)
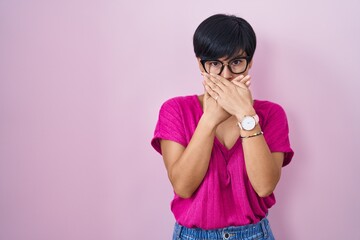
241, 53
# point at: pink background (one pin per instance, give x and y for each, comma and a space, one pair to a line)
81, 83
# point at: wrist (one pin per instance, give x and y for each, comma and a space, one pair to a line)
259, 133
208, 121
256, 129
248, 112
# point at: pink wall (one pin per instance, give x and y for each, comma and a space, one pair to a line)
81, 83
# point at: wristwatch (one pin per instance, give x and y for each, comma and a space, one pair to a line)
248, 123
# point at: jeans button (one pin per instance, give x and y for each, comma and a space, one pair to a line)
226, 235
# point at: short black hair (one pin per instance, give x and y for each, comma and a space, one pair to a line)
223, 35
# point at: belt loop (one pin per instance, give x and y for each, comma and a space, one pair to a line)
263, 226
180, 227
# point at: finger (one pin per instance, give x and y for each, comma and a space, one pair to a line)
242, 78
211, 93
205, 92
241, 85
245, 79
238, 78
244, 82
212, 85
219, 80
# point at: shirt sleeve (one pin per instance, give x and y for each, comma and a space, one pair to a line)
170, 125
276, 133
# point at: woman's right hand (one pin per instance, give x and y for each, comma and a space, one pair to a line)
214, 113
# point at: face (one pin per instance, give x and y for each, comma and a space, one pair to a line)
223, 65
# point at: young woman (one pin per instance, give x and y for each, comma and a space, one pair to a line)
223, 151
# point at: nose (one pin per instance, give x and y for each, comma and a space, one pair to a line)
226, 73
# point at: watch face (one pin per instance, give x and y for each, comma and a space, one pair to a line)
248, 123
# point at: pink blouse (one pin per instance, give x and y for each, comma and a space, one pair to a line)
225, 197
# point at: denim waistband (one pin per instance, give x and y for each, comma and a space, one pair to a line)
259, 229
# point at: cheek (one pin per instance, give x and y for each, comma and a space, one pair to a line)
201, 68
246, 72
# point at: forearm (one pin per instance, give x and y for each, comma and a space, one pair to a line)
262, 169
189, 170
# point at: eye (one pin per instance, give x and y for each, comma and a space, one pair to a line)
214, 64
237, 62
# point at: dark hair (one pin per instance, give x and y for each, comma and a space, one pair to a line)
224, 36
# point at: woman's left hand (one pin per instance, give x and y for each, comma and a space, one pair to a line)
234, 96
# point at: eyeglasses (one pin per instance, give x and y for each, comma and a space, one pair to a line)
237, 65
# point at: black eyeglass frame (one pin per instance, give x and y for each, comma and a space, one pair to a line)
247, 58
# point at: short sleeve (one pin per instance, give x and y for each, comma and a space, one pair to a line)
276, 132
170, 125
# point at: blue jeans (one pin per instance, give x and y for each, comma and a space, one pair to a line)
258, 231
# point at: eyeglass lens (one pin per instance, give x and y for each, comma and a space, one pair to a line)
235, 66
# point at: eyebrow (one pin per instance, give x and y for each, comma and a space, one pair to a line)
237, 57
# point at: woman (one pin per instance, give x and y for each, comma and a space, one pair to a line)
223, 151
